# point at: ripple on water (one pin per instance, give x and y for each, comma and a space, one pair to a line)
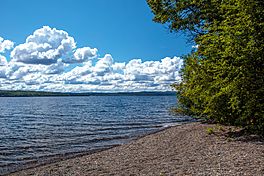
36, 130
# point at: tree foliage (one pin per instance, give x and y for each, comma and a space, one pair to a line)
223, 80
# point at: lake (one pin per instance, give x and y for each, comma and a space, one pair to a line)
37, 130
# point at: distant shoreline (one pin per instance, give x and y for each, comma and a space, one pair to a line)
6, 93
182, 150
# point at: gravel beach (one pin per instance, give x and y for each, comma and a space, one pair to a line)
188, 149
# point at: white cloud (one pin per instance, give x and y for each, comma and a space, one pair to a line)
135, 75
3, 61
45, 46
84, 54
5, 45
104, 65
49, 60
56, 68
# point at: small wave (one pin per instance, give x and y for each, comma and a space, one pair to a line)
58, 127
167, 125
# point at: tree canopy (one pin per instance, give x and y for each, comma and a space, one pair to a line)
223, 79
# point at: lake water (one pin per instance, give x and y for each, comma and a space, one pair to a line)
36, 130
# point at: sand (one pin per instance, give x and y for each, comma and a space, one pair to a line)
181, 150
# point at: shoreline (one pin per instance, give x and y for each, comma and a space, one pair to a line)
176, 150
63, 157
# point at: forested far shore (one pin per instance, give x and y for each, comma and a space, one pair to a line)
20, 93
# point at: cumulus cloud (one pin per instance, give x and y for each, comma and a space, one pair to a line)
45, 46
106, 73
83, 54
50, 60
5, 45
104, 65
56, 68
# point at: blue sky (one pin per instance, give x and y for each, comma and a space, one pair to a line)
87, 45
123, 28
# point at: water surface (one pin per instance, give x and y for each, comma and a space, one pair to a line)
35, 130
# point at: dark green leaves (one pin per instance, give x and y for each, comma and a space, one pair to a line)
224, 79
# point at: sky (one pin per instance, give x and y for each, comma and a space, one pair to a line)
87, 45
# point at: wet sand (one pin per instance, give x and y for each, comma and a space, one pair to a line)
181, 150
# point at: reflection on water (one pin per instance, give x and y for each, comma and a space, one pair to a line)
38, 129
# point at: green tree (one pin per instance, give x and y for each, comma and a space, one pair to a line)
223, 80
